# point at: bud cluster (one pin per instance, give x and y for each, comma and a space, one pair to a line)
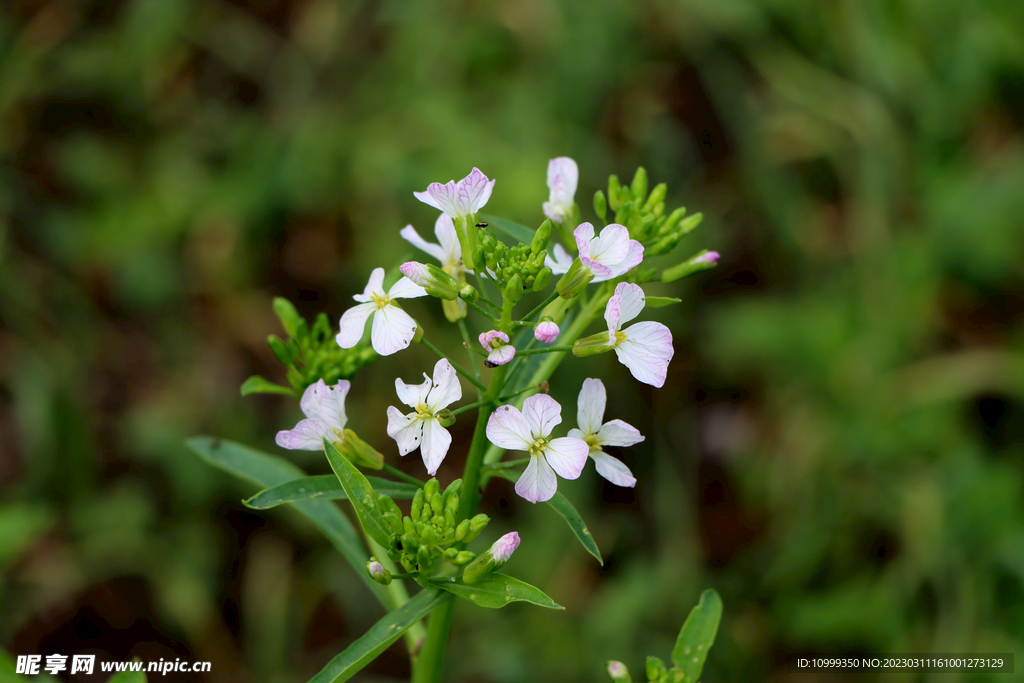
644, 213
429, 532
520, 267
310, 354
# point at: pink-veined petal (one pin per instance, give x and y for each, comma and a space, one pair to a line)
326, 404
501, 355
436, 441
542, 414
445, 387
590, 405
561, 262
567, 456
375, 285
613, 310
413, 394
353, 322
392, 330
308, 435
507, 428
546, 332
443, 197
611, 246
583, 233
444, 228
618, 433
647, 351
406, 289
631, 301
410, 235
612, 469
476, 189
406, 430
537, 483
634, 256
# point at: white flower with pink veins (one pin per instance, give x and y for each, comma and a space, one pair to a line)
530, 431
597, 433
422, 428
644, 348
393, 328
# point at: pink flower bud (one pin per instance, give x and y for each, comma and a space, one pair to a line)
546, 332
618, 672
710, 257
417, 272
504, 547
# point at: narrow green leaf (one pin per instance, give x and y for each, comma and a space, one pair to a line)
289, 317
325, 487
520, 233
267, 470
563, 507
380, 636
259, 385
496, 591
660, 301
360, 494
697, 635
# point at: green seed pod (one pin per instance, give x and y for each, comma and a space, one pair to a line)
613, 192
657, 196
600, 205
280, 350
417, 505
541, 237
542, 280
639, 186
462, 530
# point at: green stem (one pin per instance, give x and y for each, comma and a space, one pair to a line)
458, 368
402, 475
464, 331
490, 303
550, 349
471, 406
528, 316
482, 312
508, 464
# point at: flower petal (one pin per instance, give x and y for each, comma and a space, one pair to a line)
567, 456
634, 256
353, 322
406, 289
375, 285
618, 433
647, 351
561, 262
413, 394
308, 435
507, 428
410, 235
631, 301
441, 197
575, 433
476, 190
406, 430
436, 441
590, 406
612, 469
537, 482
542, 413
611, 246
445, 388
501, 355
583, 233
392, 330
444, 228
326, 404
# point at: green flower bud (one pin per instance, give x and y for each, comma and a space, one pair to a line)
476, 525
454, 488
671, 222
664, 245
409, 526
417, 504
656, 670
618, 672
431, 488
639, 186
463, 557
358, 451
542, 279
468, 293
592, 345
462, 530
425, 559
574, 281
541, 237
600, 205
702, 261
478, 256
280, 350
436, 503
514, 289
410, 541
657, 196
445, 418
614, 198
391, 513
377, 572
688, 226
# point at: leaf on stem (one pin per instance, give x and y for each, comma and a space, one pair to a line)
496, 591
660, 301
563, 507
266, 470
697, 635
520, 233
361, 494
259, 385
380, 636
325, 487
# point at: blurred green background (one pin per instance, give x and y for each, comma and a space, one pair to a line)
838, 450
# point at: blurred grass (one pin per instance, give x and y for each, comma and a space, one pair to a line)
837, 450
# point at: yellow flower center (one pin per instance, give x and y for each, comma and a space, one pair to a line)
423, 411
538, 446
591, 440
381, 301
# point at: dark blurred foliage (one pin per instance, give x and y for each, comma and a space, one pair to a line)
838, 448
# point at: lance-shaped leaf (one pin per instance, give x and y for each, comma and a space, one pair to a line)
259, 385
497, 590
567, 511
380, 636
361, 494
520, 233
697, 635
324, 487
267, 470
660, 301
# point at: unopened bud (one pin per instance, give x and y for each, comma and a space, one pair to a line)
574, 281
445, 418
463, 557
702, 261
656, 670
639, 186
541, 279
468, 292
613, 192
600, 205
358, 451
514, 288
280, 349
687, 226
462, 530
493, 559
664, 245
592, 345
476, 525
541, 237
377, 572
435, 280
546, 331
618, 672
657, 196
417, 505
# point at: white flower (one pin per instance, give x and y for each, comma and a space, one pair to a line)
459, 200
324, 408
589, 416
529, 431
562, 261
393, 328
498, 348
610, 254
423, 428
644, 348
546, 331
563, 176
448, 252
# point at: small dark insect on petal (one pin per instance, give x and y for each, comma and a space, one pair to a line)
481, 225
490, 364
